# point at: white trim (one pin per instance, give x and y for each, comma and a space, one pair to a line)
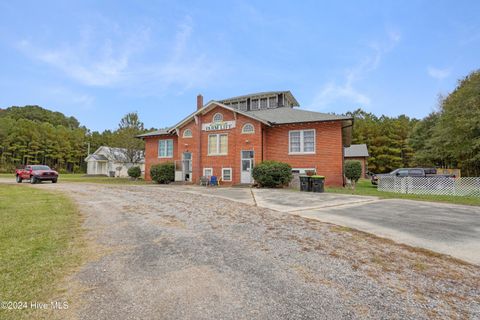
187, 130
166, 149
217, 153
211, 169
217, 114
231, 174
302, 145
302, 170
248, 132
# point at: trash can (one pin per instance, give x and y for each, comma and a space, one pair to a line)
305, 183
318, 183
111, 174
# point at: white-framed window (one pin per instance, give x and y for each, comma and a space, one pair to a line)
165, 148
263, 103
248, 128
254, 103
207, 172
217, 144
227, 174
217, 117
301, 141
187, 133
302, 170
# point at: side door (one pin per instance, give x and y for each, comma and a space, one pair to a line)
246, 166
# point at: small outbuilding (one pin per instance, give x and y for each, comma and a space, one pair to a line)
113, 162
358, 152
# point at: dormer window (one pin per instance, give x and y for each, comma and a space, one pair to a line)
218, 117
187, 133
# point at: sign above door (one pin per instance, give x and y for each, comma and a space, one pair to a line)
223, 125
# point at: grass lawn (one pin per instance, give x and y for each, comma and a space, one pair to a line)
80, 177
365, 188
40, 243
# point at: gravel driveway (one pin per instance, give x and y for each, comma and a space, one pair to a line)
166, 254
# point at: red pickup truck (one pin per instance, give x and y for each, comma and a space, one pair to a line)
36, 173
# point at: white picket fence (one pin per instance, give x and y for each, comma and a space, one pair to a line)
467, 186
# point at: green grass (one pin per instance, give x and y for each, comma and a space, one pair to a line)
80, 177
41, 241
365, 188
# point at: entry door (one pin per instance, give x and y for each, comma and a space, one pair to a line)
246, 166
187, 166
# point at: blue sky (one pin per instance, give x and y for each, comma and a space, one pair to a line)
97, 60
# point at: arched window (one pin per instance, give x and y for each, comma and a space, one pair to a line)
218, 117
187, 133
248, 128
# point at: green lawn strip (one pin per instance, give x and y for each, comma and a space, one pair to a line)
40, 242
365, 188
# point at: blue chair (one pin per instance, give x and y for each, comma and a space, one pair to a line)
213, 181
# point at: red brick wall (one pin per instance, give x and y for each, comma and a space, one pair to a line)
151, 152
328, 154
268, 143
236, 143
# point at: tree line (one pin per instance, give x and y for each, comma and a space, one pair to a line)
446, 138
34, 135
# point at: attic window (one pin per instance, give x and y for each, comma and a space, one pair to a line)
187, 133
272, 102
248, 128
254, 105
263, 103
218, 117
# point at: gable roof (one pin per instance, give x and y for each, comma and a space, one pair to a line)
210, 105
154, 133
356, 150
97, 157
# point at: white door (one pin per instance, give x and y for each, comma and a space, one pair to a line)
187, 166
246, 166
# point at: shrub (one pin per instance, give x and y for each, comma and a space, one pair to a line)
272, 174
163, 172
134, 172
353, 171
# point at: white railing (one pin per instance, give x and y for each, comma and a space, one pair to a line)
465, 186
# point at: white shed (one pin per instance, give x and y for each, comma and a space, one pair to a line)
112, 162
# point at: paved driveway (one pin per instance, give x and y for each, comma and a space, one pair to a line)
445, 228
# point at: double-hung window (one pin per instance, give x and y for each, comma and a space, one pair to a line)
227, 174
218, 144
302, 141
165, 148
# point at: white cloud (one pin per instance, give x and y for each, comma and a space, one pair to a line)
437, 73
332, 92
110, 57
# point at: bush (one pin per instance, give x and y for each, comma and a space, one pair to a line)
163, 173
272, 174
134, 172
353, 171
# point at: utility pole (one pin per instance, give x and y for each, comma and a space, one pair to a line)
88, 148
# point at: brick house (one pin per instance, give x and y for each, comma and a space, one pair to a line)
227, 138
358, 152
